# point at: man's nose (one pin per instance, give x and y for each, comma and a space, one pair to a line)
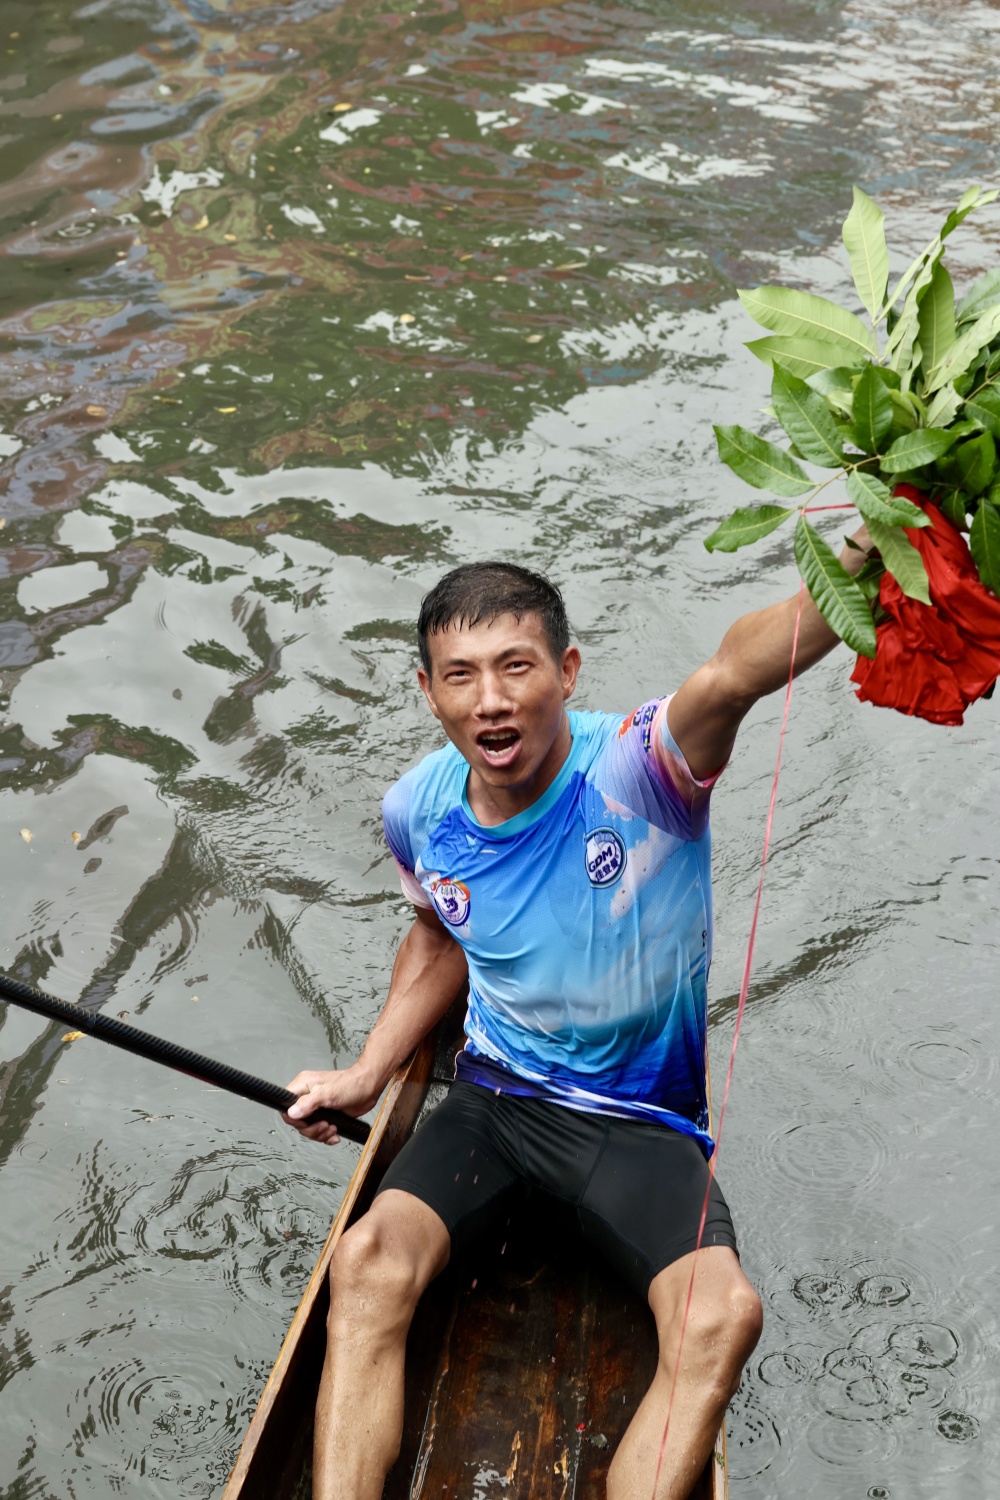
494, 698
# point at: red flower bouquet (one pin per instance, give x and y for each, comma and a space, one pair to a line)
905, 407
934, 660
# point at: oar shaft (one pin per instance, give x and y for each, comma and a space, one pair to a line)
110, 1029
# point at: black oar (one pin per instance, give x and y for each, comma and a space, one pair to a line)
109, 1029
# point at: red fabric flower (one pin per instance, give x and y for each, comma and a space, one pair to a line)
933, 662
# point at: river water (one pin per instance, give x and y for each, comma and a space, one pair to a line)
302, 303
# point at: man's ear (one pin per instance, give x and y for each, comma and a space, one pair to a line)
424, 679
570, 671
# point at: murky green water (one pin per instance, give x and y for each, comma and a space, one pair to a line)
301, 303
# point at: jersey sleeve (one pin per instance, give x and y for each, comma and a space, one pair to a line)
647, 773
695, 793
396, 823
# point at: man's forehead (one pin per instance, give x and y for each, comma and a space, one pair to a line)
490, 636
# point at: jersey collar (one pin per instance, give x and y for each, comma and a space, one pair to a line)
530, 815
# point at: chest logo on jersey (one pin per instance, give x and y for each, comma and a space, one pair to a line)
452, 900
606, 856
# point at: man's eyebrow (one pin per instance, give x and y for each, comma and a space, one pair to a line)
524, 649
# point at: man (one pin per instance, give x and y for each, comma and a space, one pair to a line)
560, 861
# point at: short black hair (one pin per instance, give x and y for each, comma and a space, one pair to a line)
484, 591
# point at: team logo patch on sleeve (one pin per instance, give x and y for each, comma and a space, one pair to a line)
606, 856
641, 718
452, 900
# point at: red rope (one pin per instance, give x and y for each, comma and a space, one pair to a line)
740, 1009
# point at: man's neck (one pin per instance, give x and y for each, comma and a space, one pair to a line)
492, 805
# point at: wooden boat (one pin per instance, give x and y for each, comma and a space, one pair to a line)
524, 1362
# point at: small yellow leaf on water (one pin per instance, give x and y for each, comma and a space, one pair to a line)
533, 338
195, 999
230, 239
572, 265
225, 409
26, 835
406, 317
469, 256
338, 109
407, 277
76, 837
3, 522
202, 222
96, 411
72, 1036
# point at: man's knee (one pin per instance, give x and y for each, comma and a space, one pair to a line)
374, 1272
720, 1335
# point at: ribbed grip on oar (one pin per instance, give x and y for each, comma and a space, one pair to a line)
110, 1029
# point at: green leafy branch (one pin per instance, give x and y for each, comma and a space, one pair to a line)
921, 407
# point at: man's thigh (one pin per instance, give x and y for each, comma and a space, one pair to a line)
463, 1162
644, 1201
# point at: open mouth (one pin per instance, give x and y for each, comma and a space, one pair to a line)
498, 745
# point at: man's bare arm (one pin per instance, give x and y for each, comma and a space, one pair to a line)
753, 660
429, 971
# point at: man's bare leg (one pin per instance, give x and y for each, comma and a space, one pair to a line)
379, 1272
723, 1327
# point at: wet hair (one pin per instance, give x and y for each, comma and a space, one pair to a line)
485, 590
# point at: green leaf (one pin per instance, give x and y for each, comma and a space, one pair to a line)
876, 502
835, 385
802, 357
952, 507
927, 258
899, 345
965, 349
871, 410
973, 463
936, 318
944, 405
984, 410
869, 580
864, 241
984, 543
902, 559
983, 294
972, 198
903, 416
804, 315
746, 525
806, 418
838, 598
760, 463
914, 449
923, 265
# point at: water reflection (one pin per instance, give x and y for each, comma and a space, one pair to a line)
301, 302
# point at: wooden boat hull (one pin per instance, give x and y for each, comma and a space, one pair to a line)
524, 1364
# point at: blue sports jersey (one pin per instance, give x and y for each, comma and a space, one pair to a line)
586, 920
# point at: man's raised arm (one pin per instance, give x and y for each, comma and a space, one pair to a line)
429, 971
753, 660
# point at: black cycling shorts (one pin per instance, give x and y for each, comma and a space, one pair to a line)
638, 1189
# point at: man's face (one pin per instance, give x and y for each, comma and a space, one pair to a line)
499, 695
